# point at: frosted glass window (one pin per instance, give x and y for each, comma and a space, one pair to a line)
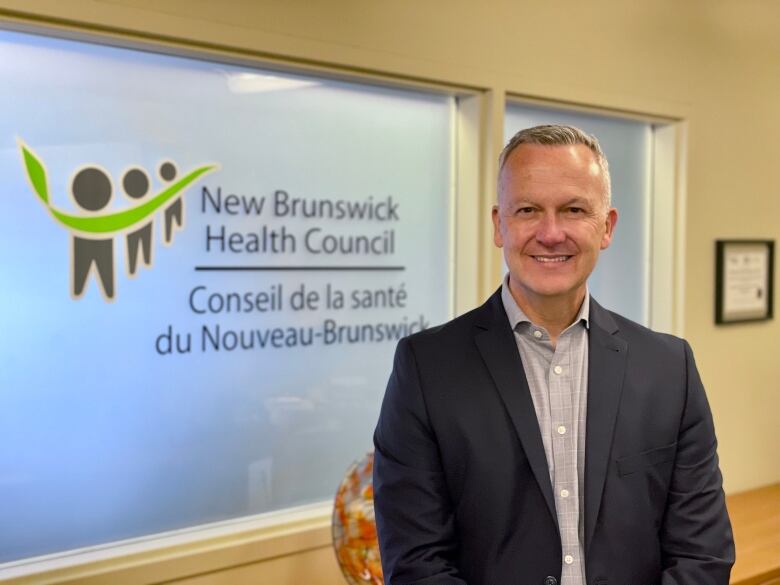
204, 271
620, 281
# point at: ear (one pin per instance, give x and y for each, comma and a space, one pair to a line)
609, 227
497, 239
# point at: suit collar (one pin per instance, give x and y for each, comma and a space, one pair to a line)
603, 318
491, 313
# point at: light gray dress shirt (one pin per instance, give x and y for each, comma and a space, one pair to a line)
558, 381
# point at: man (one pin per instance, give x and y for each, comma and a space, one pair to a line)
541, 439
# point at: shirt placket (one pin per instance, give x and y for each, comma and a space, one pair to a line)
560, 383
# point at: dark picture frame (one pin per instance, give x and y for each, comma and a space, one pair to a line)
744, 281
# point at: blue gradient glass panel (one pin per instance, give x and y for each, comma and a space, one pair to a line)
619, 281
177, 402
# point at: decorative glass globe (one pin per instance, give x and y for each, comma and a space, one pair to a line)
354, 530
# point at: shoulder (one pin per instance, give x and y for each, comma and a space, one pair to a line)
458, 333
639, 337
463, 324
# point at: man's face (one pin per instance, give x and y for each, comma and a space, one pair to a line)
551, 220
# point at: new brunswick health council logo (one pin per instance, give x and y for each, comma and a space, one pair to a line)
93, 231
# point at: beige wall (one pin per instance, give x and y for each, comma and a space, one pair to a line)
713, 63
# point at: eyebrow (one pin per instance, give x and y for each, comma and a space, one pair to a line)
524, 201
582, 202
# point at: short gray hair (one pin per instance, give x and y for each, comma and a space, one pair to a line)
560, 135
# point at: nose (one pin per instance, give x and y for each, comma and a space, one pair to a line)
549, 230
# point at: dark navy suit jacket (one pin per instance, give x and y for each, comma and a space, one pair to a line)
461, 485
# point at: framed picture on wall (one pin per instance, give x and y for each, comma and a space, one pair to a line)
744, 280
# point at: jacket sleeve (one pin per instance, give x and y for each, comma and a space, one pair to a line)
414, 516
696, 540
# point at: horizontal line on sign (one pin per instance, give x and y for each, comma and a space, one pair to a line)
298, 268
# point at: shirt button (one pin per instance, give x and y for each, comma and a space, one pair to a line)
561, 430
568, 559
537, 334
558, 369
564, 493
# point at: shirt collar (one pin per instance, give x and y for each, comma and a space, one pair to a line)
517, 316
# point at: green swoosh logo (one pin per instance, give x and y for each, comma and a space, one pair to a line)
110, 222
36, 174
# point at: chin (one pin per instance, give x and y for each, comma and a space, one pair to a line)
547, 288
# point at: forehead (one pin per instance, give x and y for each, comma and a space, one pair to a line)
540, 170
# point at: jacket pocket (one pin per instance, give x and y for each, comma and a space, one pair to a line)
634, 463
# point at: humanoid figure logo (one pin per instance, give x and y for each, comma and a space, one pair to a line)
94, 230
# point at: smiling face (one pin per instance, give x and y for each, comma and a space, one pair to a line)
552, 221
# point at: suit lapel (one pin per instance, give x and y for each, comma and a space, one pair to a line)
496, 343
607, 355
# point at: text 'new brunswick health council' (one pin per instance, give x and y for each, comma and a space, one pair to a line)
280, 239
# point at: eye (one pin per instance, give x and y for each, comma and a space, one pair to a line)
576, 210
524, 210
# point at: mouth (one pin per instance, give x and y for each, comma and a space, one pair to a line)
557, 259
